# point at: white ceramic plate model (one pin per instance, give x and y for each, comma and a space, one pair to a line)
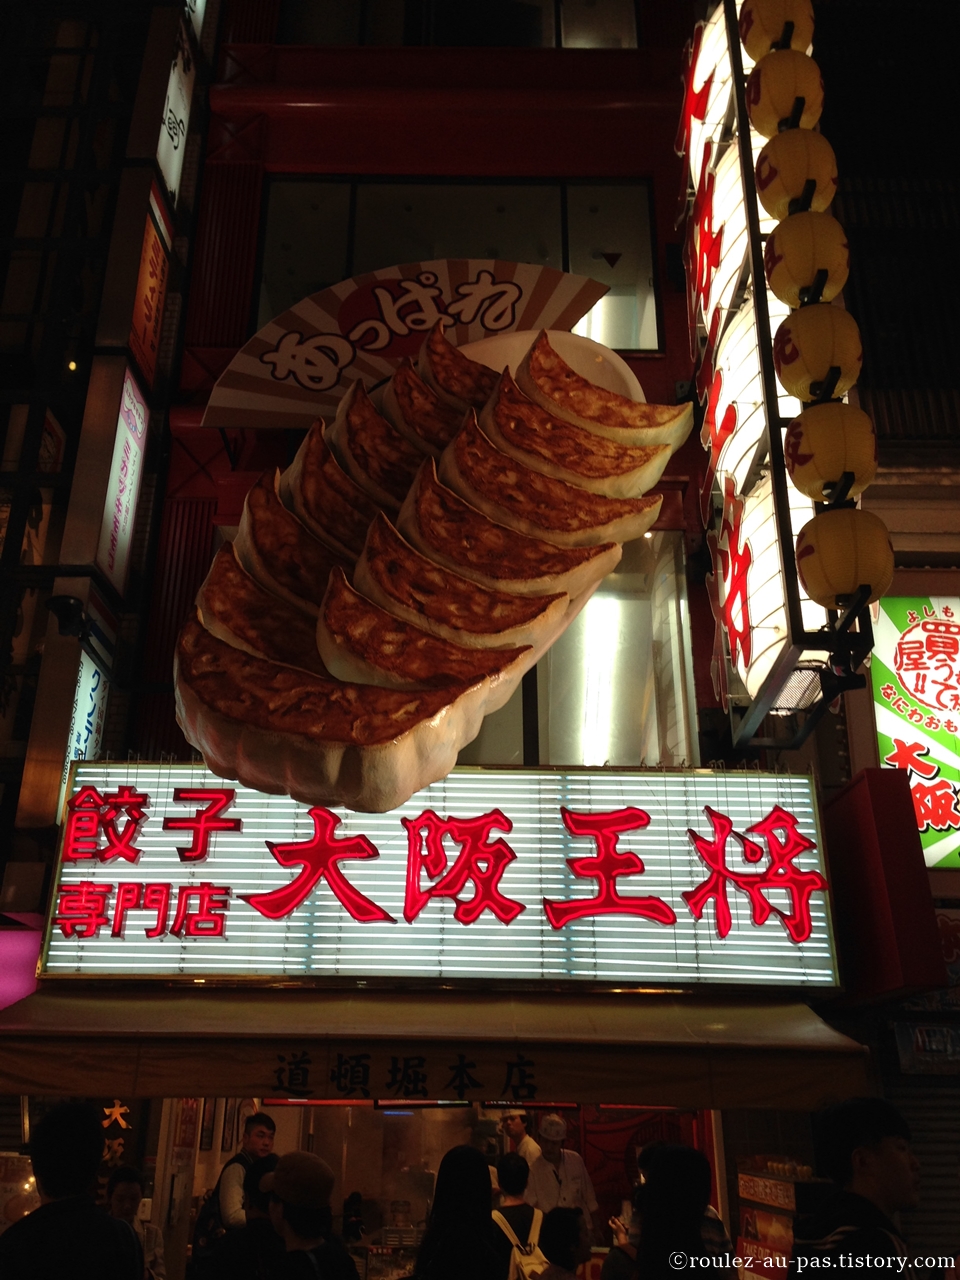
583, 355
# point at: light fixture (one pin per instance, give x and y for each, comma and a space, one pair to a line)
72, 366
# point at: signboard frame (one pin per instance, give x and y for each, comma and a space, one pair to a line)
826, 979
813, 666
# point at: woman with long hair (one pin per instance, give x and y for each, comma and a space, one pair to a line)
672, 1215
460, 1242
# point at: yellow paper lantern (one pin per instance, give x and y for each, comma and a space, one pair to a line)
798, 249
787, 163
774, 85
839, 551
812, 341
824, 442
762, 23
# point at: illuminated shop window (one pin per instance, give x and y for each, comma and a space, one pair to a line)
518, 24
319, 232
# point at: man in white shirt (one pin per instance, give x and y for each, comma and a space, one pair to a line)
559, 1178
257, 1142
514, 1125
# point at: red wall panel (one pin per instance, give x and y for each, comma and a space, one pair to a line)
886, 924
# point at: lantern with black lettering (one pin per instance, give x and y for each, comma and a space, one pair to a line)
840, 551
765, 23
796, 170
784, 91
824, 443
817, 352
807, 259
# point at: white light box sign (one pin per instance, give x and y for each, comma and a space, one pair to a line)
592, 876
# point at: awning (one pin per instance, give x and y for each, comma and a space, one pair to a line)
602, 1048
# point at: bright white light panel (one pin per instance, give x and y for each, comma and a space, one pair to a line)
321, 940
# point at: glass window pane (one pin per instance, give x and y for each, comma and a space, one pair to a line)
415, 222
614, 689
509, 24
599, 24
610, 240
319, 22
305, 246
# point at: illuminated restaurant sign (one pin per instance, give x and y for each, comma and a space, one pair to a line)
594, 875
123, 485
915, 674
748, 590
176, 114
151, 294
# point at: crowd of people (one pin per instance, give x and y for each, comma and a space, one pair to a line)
531, 1218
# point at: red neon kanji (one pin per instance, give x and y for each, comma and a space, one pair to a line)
128, 898
606, 866
128, 803
319, 856
713, 436
702, 249
81, 832
208, 920
784, 842
82, 909
935, 805
156, 897
731, 564
204, 821
694, 100
480, 860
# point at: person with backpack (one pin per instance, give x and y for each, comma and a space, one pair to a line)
518, 1221
461, 1241
222, 1211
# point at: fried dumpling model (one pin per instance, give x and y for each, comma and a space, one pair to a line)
323, 497
280, 552
392, 573
535, 504
458, 381
291, 732
237, 609
372, 451
445, 528
529, 434
360, 641
546, 378
292, 680
418, 412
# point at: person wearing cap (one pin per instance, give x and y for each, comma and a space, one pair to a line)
300, 1188
559, 1178
514, 1125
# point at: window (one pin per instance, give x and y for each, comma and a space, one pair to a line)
317, 232
617, 687
523, 24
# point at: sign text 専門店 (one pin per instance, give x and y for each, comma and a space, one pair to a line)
589, 875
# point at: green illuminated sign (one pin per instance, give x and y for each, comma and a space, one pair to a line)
915, 673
